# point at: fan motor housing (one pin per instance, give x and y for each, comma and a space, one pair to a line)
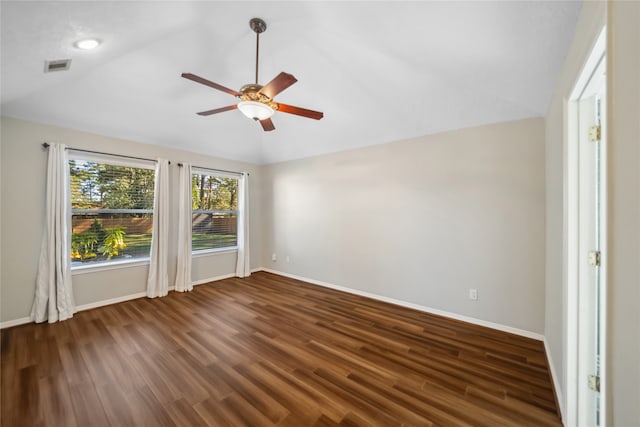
251, 92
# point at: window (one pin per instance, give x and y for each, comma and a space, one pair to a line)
111, 209
215, 210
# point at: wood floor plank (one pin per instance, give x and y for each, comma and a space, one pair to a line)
361, 405
87, 407
116, 405
55, 400
382, 399
269, 350
183, 414
329, 405
246, 414
27, 391
325, 421
156, 379
148, 410
203, 375
511, 409
211, 412
302, 409
248, 392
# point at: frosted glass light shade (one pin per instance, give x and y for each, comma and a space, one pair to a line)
255, 110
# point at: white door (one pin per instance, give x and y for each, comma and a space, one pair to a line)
590, 246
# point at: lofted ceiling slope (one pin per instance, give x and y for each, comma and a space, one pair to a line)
380, 71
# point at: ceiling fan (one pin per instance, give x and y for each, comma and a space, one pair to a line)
256, 101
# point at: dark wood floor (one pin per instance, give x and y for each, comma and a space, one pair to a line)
268, 350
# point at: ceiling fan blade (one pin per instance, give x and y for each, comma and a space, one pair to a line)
317, 115
267, 125
209, 83
277, 85
218, 110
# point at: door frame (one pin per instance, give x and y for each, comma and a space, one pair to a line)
571, 248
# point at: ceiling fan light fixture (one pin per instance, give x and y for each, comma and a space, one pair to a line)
255, 110
256, 101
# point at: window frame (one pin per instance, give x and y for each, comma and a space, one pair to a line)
112, 160
215, 173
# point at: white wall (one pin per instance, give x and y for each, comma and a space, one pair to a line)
23, 183
420, 221
624, 213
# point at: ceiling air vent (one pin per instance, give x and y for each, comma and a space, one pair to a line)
57, 65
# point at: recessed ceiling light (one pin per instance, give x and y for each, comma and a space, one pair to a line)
87, 44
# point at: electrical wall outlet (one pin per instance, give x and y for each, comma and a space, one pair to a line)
274, 257
473, 294
287, 258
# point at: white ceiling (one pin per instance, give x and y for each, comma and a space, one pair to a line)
380, 71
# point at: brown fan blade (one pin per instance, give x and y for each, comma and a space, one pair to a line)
277, 85
317, 115
267, 125
206, 82
218, 110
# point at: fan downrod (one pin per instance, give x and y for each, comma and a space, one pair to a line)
258, 26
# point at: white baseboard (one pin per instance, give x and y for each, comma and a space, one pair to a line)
110, 301
213, 279
504, 328
92, 305
555, 379
83, 307
143, 294
15, 322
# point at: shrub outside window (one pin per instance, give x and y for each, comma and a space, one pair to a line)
214, 210
111, 209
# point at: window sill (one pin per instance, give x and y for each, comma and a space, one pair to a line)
92, 268
217, 251
83, 269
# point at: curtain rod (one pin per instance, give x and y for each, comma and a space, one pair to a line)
215, 170
46, 145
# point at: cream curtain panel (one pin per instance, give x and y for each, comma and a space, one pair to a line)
158, 280
243, 264
54, 294
183, 272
